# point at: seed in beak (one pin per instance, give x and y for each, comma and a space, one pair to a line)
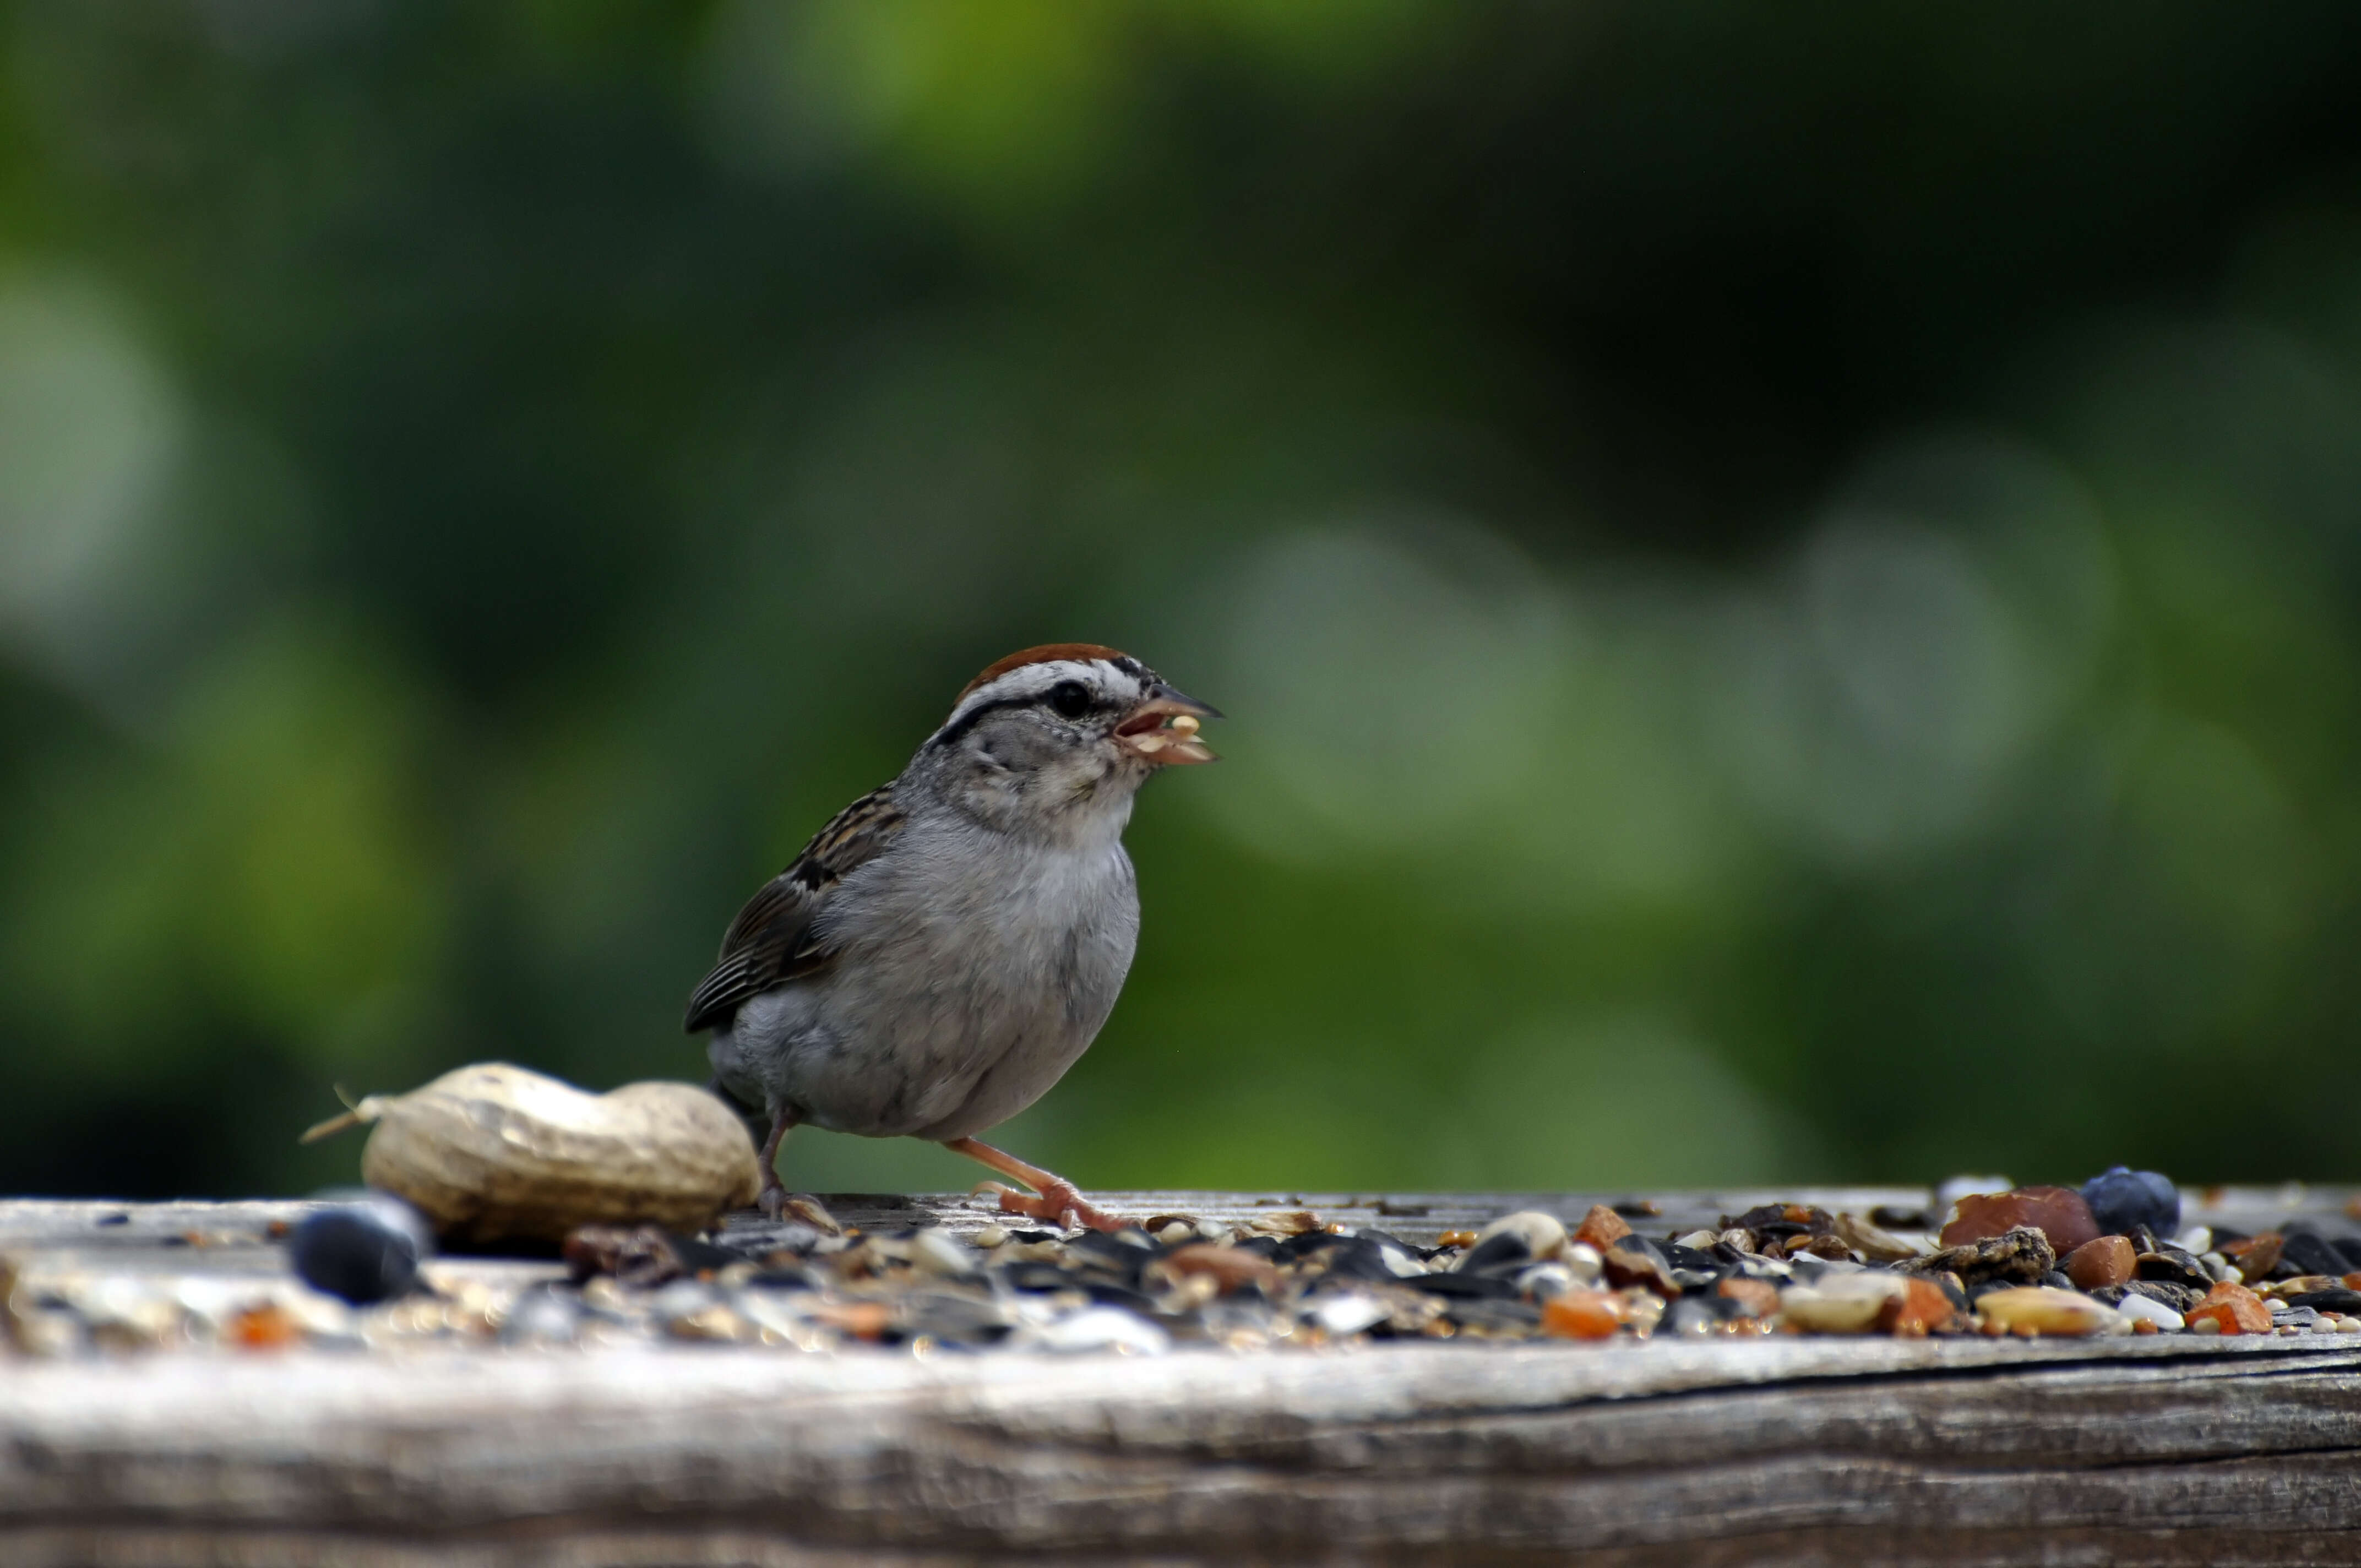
1185, 725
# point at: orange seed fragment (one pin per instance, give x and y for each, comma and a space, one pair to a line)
1602, 1227
1584, 1314
2235, 1308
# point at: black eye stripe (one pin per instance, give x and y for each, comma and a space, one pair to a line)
952, 733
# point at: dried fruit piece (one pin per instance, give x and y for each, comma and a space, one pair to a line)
2233, 1310
1921, 1309
267, 1327
1601, 1228
2093, 1266
2058, 1212
1585, 1314
2023, 1253
2257, 1256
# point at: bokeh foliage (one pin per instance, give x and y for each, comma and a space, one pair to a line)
1787, 580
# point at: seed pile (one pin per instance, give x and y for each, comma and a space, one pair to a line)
2108, 1259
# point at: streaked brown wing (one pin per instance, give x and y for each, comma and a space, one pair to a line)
770, 941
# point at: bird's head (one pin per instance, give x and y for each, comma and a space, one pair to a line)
1060, 725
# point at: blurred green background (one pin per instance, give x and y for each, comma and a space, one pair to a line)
1787, 580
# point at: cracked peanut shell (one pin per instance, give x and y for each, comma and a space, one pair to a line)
493, 1153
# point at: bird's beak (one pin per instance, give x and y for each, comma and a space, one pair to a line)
1163, 728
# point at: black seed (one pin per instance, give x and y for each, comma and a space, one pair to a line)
2174, 1267
364, 1252
1035, 1276
1466, 1286
1494, 1251
2179, 1297
1360, 1258
1311, 1244
1105, 1294
782, 1280
2309, 1254
1472, 1312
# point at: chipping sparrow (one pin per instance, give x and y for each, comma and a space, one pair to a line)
946, 948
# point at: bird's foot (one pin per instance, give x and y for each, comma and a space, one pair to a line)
1059, 1202
771, 1200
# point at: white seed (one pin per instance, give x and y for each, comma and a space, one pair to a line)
1544, 1235
1176, 1232
2167, 1320
938, 1254
2206, 1326
1840, 1303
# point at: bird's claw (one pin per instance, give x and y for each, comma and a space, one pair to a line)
1059, 1202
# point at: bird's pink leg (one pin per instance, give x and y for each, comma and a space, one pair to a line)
1059, 1201
773, 1199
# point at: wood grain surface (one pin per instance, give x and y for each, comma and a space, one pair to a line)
1783, 1450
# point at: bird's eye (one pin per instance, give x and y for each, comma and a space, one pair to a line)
1071, 699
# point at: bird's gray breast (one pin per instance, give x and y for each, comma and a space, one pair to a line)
970, 972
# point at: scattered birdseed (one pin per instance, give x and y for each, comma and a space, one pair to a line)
1277, 1279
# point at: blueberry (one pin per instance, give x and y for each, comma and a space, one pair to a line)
364, 1251
2120, 1199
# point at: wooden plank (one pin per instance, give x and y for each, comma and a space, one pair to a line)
1526, 1451
1777, 1450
